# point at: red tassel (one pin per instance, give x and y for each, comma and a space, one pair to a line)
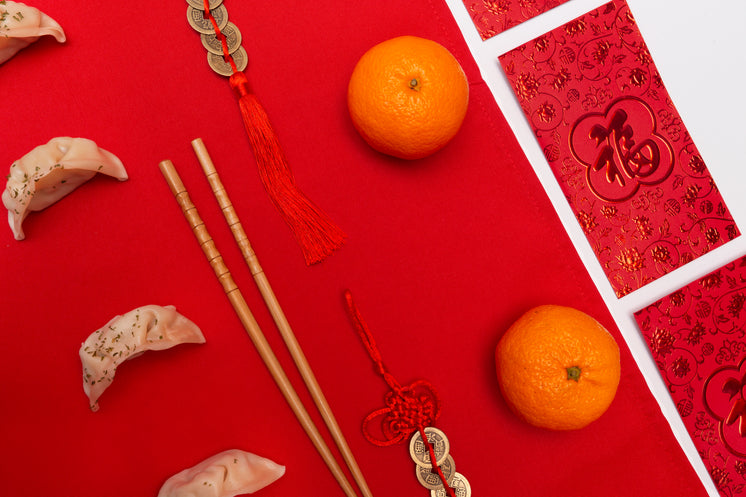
317, 235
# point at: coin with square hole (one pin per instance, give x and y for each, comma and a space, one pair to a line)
220, 66
202, 24
232, 38
459, 484
430, 479
418, 449
199, 4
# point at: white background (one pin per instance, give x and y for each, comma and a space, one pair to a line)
699, 49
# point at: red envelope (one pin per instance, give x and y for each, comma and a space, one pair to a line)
618, 148
492, 17
697, 338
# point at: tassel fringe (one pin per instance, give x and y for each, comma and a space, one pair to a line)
317, 235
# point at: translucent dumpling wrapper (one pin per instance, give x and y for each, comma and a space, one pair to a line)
125, 337
227, 474
21, 25
51, 171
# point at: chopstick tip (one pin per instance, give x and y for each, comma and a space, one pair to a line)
165, 165
168, 170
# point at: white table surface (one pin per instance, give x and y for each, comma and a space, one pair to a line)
698, 48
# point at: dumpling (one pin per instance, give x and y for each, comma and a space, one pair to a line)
51, 171
150, 327
229, 473
21, 25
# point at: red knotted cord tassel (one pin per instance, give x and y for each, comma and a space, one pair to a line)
317, 235
409, 408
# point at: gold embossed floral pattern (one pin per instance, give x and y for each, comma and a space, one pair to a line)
492, 17
697, 339
639, 188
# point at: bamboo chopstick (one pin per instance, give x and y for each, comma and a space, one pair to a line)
249, 323
262, 283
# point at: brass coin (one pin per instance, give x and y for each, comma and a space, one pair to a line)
202, 24
418, 449
199, 4
232, 37
459, 484
431, 479
220, 66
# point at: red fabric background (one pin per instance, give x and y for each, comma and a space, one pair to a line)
443, 254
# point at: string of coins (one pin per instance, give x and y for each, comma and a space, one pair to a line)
411, 411
436, 448
219, 36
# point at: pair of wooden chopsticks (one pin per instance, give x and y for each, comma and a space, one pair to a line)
252, 327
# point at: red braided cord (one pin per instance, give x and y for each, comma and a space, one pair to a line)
370, 344
220, 36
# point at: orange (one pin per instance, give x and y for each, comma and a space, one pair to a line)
408, 97
558, 368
